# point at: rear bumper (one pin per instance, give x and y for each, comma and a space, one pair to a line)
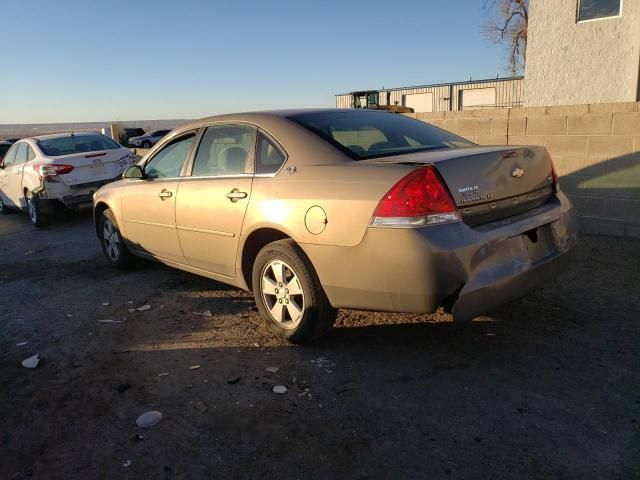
73, 195
474, 269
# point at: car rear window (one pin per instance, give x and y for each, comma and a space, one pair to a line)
55, 147
369, 134
4, 148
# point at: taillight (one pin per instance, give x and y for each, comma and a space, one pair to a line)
52, 169
420, 198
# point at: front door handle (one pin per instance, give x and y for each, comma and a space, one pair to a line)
235, 195
164, 194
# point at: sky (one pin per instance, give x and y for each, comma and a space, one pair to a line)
113, 60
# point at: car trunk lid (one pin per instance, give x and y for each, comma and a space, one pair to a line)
489, 183
90, 167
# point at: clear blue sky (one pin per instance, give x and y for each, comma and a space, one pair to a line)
98, 60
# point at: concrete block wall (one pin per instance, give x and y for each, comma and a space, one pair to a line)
596, 150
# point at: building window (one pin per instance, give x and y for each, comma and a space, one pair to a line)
595, 9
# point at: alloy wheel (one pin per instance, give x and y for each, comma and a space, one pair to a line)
282, 293
33, 212
111, 240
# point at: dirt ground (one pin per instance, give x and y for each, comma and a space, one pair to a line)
547, 387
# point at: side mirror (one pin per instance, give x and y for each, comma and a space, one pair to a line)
134, 171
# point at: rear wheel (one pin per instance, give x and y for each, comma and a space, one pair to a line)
289, 295
113, 246
34, 208
146, 144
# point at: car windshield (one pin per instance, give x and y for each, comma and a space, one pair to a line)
369, 134
55, 147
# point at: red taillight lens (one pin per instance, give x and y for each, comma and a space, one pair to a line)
420, 198
52, 169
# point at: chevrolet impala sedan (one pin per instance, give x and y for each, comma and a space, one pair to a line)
317, 210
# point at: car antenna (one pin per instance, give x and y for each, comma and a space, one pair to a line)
72, 134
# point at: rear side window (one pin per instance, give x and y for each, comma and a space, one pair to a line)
31, 155
167, 163
224, 150
269, 158
369, 134
55, 147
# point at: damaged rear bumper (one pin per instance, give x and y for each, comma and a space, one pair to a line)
472, 270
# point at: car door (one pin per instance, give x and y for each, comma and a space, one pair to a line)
213, 198
6, 172
148, 204
14, 177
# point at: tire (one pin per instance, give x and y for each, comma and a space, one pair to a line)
34, 209
113, 246
146, 144
3, 207
302, 316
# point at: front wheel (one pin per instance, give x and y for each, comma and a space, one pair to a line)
34, 208
288, 293
3, 206
113, 246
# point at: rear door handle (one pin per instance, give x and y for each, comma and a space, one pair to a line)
235, 195
164, 194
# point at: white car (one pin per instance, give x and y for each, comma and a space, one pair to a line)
148, 140
38, 174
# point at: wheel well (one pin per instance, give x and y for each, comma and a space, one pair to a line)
254, 243
97, 211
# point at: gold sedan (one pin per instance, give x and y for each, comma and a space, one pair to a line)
316, 210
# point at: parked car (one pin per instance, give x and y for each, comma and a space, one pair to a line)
40, 173
4, 148
316, 210
148, 140
129, 133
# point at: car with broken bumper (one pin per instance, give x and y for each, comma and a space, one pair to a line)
41, 174
318, 210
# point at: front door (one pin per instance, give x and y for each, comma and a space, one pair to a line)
148, 205
14, 167
213, 198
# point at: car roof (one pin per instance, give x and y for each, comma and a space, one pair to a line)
266, 114
62, 135
4, 142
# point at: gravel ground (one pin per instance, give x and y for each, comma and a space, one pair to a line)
547, 387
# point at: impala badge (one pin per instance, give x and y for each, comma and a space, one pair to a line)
517, 173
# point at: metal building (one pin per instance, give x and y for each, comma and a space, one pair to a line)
471, 95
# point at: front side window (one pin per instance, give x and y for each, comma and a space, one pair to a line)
168, 162
269, 158
54, 147
10, 158
224, 150
594, 9
368, 134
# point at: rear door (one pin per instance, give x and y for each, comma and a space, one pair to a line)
148, 205
14, 189
213, 198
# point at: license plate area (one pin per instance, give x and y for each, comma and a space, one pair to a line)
539, 244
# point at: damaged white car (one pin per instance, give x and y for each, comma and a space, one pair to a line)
40, 174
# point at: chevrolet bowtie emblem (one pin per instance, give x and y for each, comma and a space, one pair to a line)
517, 173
